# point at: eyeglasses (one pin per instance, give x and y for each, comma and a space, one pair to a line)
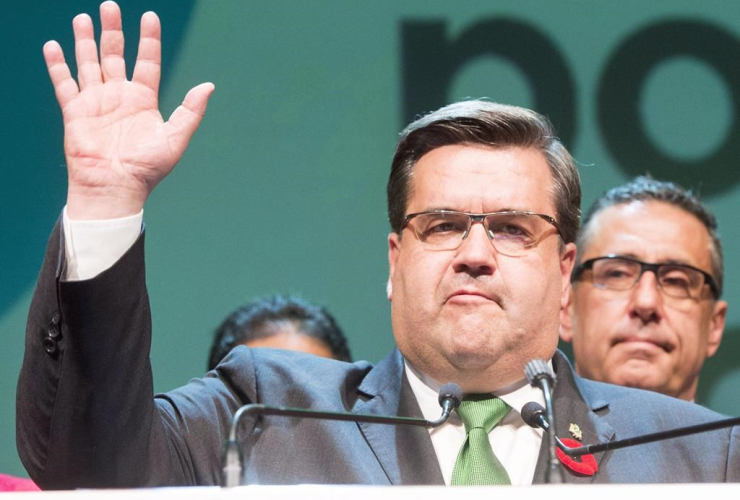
511, 233
614, 272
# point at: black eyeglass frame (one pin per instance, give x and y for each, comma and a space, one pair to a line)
644, 266
481, 218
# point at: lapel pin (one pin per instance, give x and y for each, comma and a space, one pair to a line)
575, 431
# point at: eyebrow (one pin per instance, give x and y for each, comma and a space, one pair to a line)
448, 209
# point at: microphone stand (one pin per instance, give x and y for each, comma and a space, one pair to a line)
540, 375
649, 438
449, 398
533, 415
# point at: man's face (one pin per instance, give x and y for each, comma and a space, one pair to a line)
291, 339
471, 315
641, 337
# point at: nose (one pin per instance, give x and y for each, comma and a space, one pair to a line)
646, 301
476, 255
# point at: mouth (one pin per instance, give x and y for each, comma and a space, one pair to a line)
642, 343
470, 296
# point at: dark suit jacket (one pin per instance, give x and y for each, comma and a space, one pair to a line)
87, 416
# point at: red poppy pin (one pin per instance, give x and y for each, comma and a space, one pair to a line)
585, 464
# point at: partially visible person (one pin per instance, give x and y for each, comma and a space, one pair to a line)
12, 483
645, 310
280, 322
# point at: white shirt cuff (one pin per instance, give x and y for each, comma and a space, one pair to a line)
92, 246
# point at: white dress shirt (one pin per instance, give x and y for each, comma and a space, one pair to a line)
514, 443
92, 246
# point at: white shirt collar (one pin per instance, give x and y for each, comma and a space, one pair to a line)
426, 390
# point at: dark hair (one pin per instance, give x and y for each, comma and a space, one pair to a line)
265, 317
645, 188
494, 125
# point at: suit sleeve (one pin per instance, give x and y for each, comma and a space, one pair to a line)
86, 415
733, 457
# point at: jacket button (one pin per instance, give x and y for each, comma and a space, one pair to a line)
55, 317
50, 345
53, 332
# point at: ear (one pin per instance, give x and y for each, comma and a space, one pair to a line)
394, 247
567, 261
716, 327
566, 316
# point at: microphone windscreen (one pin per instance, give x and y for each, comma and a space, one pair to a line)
537, 369
530, 412
452, 392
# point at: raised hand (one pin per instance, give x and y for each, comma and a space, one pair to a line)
116, 143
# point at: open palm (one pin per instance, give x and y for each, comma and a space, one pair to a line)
116, 143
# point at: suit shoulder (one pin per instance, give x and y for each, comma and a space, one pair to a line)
631, 402
288, 377
299, 366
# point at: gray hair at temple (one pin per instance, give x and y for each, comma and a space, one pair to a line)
645, 188
493, 125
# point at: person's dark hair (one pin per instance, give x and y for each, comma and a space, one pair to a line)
266, 317
645, 188
494, 125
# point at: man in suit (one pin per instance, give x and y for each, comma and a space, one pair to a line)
644, 310
484, 206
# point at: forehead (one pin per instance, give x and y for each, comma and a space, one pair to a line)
288, 338
652, 231
476, 178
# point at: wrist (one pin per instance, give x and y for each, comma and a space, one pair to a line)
96, 204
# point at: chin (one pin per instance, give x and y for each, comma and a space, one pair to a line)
638, 381
472, 359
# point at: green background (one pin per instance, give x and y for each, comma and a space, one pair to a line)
283, 187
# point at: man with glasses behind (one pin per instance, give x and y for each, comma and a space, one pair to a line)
644, 309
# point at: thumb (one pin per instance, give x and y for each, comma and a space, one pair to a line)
185, 119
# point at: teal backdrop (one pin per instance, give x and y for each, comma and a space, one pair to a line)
283, 188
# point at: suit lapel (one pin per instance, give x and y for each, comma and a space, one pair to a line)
405, 453
571, 407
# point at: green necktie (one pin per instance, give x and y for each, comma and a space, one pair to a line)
476, 463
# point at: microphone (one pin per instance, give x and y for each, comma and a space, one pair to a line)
450, 396
449, 399
533, 415
539, 374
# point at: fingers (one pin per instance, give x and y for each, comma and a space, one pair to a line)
111, 42
148, 60
86, 52
185, 120
65, 87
